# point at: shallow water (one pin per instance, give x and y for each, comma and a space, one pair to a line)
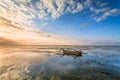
45, 63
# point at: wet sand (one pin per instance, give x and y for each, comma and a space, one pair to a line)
44, 63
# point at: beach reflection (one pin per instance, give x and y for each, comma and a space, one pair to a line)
36, 63
15, 63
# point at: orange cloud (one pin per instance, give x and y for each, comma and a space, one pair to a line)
4, 41
26, 36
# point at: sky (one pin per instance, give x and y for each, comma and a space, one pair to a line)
62, 22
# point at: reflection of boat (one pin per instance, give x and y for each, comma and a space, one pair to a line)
72, 52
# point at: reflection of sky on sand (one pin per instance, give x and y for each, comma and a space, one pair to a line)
15, 61
23, 57
35, 63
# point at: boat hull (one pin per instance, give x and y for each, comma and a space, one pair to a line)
78, 53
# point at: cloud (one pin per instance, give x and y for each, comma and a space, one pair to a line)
84, 41
23, 12
11, 34
112, 12
5, 41
84, 25
101, 10
4, 22
56, 8
16, 12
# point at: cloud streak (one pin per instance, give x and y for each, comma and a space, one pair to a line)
109, 13
4, 41
11, 34
101, 10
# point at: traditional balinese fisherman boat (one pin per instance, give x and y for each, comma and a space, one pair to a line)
72, 52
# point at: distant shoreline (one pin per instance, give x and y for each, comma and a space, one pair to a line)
60, 46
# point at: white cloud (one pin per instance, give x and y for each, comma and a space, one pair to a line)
56, 8
101, 4
24, 11
15, 13
100, 10
109, 13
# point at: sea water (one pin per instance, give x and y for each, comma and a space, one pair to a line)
46, 63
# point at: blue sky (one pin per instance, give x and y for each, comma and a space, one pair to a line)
90, 20
70, 25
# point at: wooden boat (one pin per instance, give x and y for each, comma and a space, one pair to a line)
72, 52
